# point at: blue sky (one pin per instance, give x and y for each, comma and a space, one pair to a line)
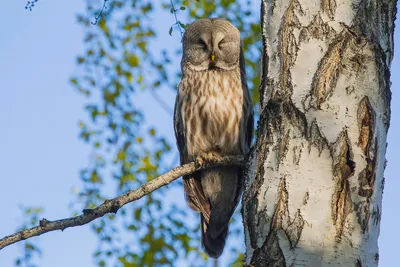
40, 153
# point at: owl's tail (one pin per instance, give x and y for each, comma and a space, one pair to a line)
213, 246
222, 188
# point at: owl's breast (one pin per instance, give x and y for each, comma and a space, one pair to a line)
213, 116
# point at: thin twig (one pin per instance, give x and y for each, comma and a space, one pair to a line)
113, 205
100, 15
176, 18
162, 103
30, 4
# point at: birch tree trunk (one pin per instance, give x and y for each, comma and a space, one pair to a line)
315, 178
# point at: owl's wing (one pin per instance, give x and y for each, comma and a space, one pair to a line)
178, 127
249, 127
194, 194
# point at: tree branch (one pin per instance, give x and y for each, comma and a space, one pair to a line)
113, 205
101, 14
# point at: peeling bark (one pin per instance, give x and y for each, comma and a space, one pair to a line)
327, 74
343, 169
314, 185
329, 7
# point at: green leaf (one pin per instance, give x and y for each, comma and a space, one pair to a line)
81, 60
121, 155
132, 60
138, 213
183, 25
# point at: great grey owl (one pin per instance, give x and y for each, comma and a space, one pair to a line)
213, 114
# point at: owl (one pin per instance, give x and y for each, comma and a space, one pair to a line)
213, 115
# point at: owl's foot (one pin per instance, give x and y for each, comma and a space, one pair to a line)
205, 158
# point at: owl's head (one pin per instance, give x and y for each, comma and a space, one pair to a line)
211, 44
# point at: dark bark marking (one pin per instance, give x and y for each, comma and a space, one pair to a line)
279, 117
297, 151
283, 147
294, 229
250, 220
281, 218
367, 179
343, 169
383, 72
250, 197
317, 29
264, 59
306, 198
363, 214
316, 138
270, 254
376, 215
250, 204
350, 90
329, 7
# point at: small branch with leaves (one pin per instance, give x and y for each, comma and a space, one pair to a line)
113, 205
180, 25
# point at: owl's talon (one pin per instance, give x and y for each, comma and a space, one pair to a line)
214, 157
205, 158
199, 161
210, 157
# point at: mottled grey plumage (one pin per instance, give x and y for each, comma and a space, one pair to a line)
213, 114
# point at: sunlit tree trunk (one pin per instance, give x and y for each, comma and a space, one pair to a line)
315, 178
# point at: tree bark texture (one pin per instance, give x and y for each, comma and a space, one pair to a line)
315, 181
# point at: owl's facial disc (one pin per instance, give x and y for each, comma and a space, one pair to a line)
211, 44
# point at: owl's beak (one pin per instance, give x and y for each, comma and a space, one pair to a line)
212, 57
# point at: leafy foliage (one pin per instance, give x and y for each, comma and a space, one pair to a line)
124, 60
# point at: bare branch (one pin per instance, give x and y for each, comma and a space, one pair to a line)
113, 205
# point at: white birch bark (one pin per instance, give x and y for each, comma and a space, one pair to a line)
314, 186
